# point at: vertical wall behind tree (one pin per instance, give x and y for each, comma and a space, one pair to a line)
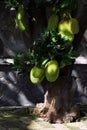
80, 43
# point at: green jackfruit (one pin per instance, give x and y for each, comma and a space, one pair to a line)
37, 71
22, 23
52, 22
21, 10
70, 25
37, 75
63, 26
67, 35
74, 25
52, 71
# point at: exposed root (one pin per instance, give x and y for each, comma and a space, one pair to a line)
50, 114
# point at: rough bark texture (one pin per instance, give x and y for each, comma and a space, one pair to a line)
58, 100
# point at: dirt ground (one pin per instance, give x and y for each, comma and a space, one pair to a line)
23, 119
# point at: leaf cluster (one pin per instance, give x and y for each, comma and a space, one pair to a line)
48, 46
15, 3
51, 46
58, 5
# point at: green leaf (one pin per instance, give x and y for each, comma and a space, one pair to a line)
45, 61
54, 39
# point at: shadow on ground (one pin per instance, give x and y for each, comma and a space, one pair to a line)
17, 119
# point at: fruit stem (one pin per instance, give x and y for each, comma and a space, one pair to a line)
69, 15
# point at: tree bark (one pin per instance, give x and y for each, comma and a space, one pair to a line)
58, 106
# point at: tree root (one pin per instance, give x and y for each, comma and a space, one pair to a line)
49, 114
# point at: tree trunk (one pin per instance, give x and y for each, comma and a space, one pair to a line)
58, 103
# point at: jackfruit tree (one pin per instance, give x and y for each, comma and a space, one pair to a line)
50, 59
